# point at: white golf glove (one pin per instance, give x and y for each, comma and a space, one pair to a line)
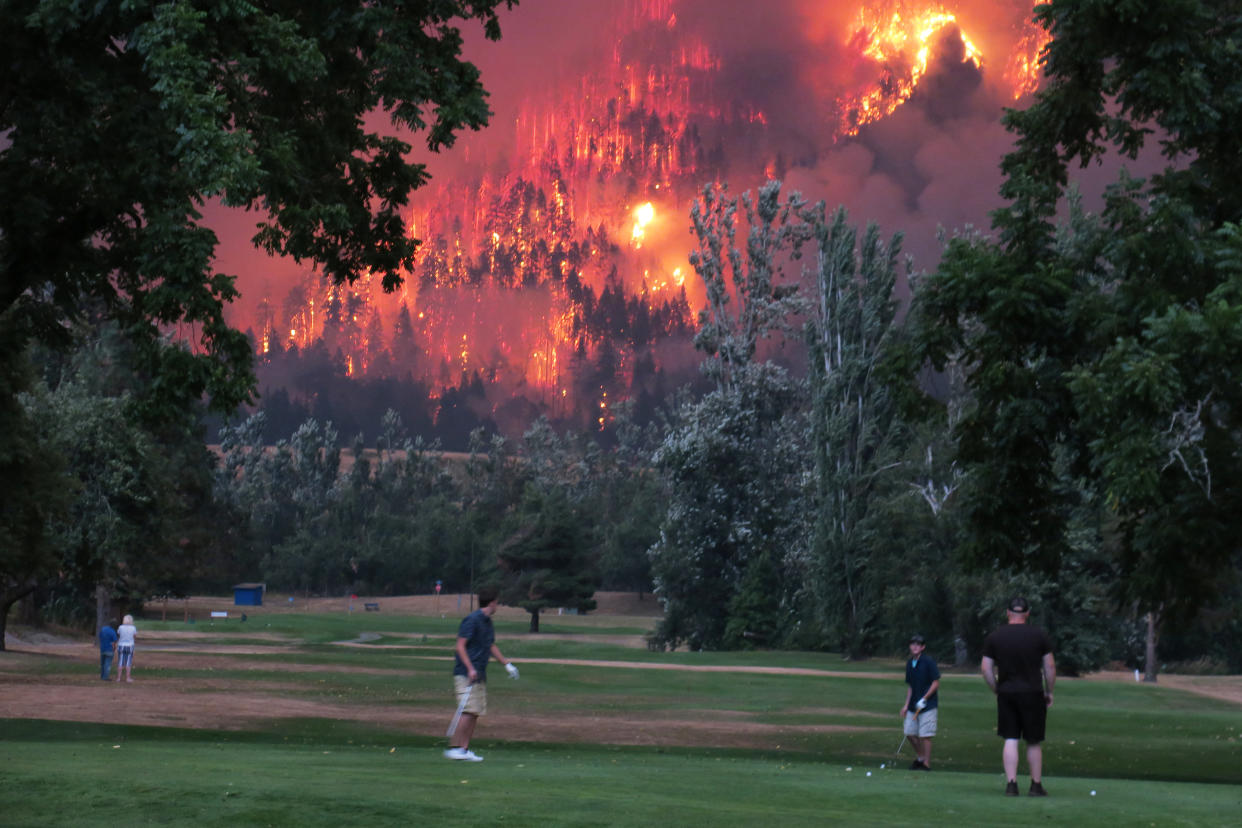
511, 670
921, 704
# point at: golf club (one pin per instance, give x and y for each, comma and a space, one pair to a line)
900, 746
461, 706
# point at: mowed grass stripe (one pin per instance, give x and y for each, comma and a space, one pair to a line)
166, 780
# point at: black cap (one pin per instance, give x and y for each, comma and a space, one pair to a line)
1019, 604
916, 639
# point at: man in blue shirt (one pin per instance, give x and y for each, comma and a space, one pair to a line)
107, 646
476, 642
920, 712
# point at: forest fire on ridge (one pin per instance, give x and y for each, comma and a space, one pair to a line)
558, 271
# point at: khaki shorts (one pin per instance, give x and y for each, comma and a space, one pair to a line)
477, 703
922, 725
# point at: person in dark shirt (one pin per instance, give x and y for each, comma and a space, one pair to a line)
107, 648
476, 643
1019, 667
920, 713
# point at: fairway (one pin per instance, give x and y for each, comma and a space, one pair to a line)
328, 718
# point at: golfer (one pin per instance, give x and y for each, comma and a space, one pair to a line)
1018, 666
923, 689
476, 642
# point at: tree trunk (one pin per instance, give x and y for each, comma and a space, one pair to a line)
1153, 636
960, 653
7, 599
534, 620
103, 607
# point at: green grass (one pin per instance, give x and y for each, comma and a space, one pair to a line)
69, 774
1154, 755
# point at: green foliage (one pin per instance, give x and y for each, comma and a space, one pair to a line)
765, 301
759, 613
617, 488
121, 119
395, 526
856, 435
547, 561
733, 473
140, 519
34, 490
1100, 353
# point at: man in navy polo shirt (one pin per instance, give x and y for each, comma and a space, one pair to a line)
476, 644
920, 713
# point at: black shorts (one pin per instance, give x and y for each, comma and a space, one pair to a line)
1021, 716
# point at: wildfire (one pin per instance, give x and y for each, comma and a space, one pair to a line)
899, 38
547, 270
1022, 70
900, 41
644, 214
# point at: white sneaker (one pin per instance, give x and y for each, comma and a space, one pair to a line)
462, 755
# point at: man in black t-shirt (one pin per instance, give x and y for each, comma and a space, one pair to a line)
1019, 667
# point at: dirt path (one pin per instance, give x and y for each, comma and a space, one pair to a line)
236, 704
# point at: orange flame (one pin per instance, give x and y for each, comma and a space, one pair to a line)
644, 214
900, 41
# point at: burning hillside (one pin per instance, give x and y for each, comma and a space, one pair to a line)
553, 258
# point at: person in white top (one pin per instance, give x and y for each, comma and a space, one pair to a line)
125, 648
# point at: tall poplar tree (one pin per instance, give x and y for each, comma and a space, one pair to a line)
855, 428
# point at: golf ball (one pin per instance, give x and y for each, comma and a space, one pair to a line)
1093, 793
868, 773
881, 766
